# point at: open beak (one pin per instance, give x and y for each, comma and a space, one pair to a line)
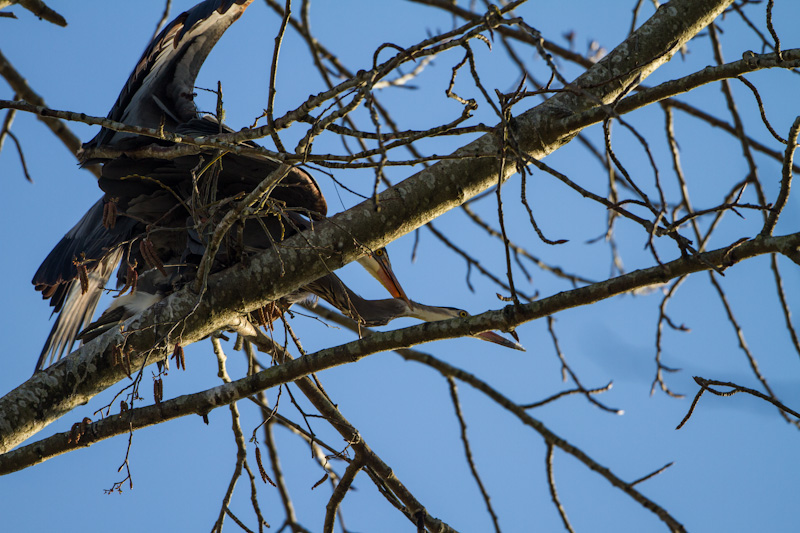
491, 336
386, 276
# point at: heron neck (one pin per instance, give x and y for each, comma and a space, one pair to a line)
369, 312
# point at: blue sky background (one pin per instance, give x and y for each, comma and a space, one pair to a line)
734, 462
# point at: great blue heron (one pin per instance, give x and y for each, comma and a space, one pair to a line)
153, 211
158, 92
141, 218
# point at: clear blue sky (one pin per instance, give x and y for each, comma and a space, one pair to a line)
735, 465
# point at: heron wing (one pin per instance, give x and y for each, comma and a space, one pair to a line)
161, 86
75, 308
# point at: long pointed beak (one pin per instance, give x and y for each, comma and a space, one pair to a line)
430, 313
385, 275
491, 336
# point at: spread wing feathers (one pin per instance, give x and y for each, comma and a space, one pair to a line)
76, 309
87, 242
97, 249
161, 86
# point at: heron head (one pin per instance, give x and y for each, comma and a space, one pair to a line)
431, 313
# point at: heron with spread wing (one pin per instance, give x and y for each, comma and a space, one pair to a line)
157, 213
142, 220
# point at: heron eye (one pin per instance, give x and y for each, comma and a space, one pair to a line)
379, 252
463, 314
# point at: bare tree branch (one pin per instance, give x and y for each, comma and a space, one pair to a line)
38, 8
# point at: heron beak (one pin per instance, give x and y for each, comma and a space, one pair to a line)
491, 336
430, 313
386, 276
